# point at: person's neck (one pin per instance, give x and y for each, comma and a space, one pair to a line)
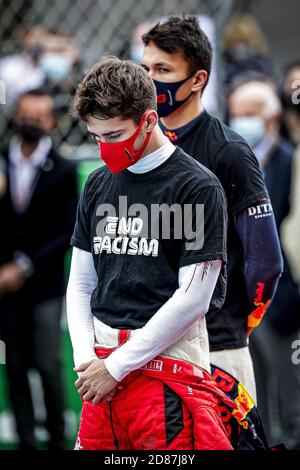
183, 115
156, 142
28, 148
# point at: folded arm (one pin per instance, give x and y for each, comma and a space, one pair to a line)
189, 303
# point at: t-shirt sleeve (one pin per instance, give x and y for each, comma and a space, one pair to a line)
205, 226
81, 237
242, 178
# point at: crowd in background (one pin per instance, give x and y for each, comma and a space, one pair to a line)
38, 198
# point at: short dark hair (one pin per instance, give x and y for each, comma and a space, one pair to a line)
115, 87
36, 93
184, 35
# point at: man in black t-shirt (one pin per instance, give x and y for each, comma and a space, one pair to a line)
149, 254
178, 57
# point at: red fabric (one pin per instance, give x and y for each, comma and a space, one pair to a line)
120, 155
138, 411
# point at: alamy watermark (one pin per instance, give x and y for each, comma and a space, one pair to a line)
137, 229
296, 353
295, 97
2, 352
2, 92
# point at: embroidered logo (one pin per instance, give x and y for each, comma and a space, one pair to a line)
153, 365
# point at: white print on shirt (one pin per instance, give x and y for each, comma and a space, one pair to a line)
261, 210
125, 242
186, 221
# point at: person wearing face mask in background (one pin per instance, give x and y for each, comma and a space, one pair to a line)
60, 63
134, 48
23, 63
245, 49
49, 59
178, 56
255, 111
39, 210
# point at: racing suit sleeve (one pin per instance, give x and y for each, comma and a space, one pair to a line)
263, 259
189, 303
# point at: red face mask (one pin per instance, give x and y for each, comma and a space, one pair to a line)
120, 155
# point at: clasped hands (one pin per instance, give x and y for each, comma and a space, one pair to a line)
95, 382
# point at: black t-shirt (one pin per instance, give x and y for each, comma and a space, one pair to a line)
137, 261
230, 158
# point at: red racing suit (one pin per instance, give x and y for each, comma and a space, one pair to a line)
168, 404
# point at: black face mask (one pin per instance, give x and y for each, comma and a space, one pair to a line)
29, 133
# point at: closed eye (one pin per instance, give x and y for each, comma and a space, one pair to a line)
114, 136
110, 137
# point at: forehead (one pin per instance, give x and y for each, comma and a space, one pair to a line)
103, 126
154, 55
36, 104
240, 103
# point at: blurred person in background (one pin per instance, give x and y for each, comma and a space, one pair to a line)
61, 65
245, 49
134, 48
59, 56
39, 213
49, 59
178, 57
290, 94
20, 71
255, 112
43, 57
291, 124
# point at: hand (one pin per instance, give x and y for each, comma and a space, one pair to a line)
12, 278
95, 382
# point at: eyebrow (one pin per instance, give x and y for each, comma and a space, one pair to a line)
106, 133
112, 132
158, 64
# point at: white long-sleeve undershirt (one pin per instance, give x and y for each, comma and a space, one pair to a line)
154, 159
82, 281
189, 303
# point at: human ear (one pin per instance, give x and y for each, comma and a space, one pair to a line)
199, 80
151, 120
